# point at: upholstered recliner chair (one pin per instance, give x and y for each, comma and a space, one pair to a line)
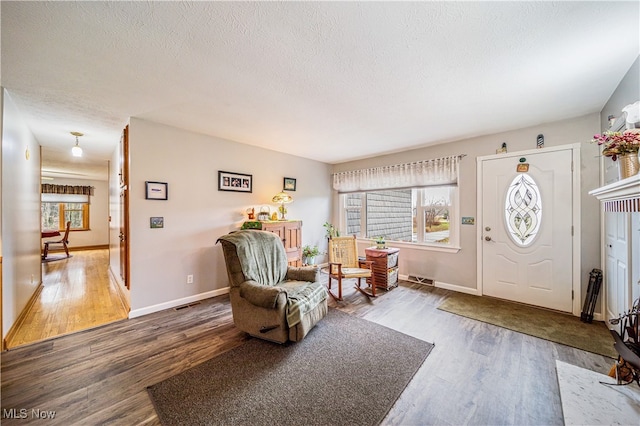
270, 299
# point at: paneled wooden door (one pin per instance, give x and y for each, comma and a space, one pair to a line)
526, 230
124, 206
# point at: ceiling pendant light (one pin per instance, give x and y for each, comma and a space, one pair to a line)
76, 151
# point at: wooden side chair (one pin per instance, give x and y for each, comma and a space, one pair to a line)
344, 264
64, 241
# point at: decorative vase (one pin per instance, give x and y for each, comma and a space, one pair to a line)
628, 165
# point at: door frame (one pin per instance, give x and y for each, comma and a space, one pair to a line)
575, 175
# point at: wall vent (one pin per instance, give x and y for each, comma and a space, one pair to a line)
179, 308
421, 280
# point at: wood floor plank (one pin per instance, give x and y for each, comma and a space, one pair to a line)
476, 374
77, 294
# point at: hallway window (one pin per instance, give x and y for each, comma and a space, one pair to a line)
55, 216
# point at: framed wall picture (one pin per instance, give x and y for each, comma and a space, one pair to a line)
156, 222
237, 182
289, 184
156, 190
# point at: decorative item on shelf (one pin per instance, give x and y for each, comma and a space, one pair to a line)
503, 149
309, 254
265, 213
332, 231
76, 151
632, 115
282, 198
380, 242
274, 216
251, 214
540, 141
622, 147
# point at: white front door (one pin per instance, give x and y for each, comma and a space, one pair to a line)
527, 247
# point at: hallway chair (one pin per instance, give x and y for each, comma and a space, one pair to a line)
63, 241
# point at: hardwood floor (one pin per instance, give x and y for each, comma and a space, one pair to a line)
476, 374
77, 294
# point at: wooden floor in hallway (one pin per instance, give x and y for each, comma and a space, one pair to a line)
477, 373
77, 294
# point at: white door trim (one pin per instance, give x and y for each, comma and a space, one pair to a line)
575, 175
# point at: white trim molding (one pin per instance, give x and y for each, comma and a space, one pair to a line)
135, 313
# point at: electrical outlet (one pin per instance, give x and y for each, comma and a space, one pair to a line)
189, 279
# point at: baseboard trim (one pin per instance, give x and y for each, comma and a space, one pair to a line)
458, 288
446, 286
23, 314
135, 313
81, 248
124, 296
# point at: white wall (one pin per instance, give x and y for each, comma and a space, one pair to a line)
196, 213
627, 92
21, 268
98, 234
459, 269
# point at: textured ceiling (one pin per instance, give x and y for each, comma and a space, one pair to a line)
331, 81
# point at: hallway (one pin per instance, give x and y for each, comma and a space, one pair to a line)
77, 294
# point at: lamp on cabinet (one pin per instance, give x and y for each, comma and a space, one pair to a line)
282, 198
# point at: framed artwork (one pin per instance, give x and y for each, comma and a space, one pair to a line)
156, 190
156, 222
237, 182
289, 184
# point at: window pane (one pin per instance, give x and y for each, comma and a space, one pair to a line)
353, 205
74, 212
412, 215
436, 203
523, 209
50, 215
390, 215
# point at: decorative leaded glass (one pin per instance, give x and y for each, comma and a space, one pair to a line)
523, 209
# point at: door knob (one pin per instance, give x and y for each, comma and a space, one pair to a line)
487, 228
487, 238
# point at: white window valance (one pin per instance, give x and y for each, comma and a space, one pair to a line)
435, 172
64, 198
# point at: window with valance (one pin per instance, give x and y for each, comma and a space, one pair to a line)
62, 203
411, 203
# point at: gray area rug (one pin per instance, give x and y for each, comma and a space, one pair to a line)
347, 371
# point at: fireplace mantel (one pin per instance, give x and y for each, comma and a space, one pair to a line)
620, 196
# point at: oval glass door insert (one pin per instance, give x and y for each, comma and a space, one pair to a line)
523, 209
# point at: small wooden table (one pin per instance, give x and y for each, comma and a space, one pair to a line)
385, 266
49, 233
